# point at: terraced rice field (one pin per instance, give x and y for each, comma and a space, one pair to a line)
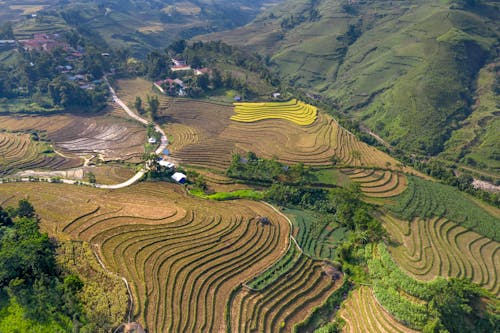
294, 110
182, 256
204, 135
277, 309
378, 183
438, 247
108, 135
110, 174
363, 314
18, 151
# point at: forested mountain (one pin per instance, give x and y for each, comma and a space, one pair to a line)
407, 69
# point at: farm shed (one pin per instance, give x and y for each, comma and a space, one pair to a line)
179, 177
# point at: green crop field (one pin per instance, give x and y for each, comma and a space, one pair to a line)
317, 236
425, 198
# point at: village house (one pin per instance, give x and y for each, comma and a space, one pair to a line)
179, 62
179, 177
44, 42
168, 165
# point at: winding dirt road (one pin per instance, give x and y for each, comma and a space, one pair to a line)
133, 179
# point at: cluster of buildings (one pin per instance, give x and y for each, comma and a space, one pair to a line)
45, 42
176, 87
179, 177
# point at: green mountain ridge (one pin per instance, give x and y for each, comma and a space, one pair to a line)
407, 69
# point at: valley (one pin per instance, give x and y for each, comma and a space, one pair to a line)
297, 166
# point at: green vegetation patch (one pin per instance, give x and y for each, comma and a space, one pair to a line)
425, 199
441, 305
317, 234
278, 269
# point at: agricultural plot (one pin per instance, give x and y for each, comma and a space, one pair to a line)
276, 308
294, 110
76, 135
182, 256
427, 248
362, 313
18, 151
427, 199
378, 184
317, 237
277, 270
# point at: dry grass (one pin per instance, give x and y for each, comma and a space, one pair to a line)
19, 152
27, 9
380, 183
204, 135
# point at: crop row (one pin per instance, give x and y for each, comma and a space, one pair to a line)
277, 270
17, 151
276, 308
295, 111
378, 184
318, 238
182, 263
439, 247
362, 313
427, 199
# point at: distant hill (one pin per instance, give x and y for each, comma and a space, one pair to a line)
407, 69
140, 25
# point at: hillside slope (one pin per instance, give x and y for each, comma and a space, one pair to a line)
407, 69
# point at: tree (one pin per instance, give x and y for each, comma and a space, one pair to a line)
5, 219
216, 79
25, 209
153, 104
91, 178
138, 104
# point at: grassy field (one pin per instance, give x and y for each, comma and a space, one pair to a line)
477, 143
427, 248
182, 256
295, 111
362, 304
